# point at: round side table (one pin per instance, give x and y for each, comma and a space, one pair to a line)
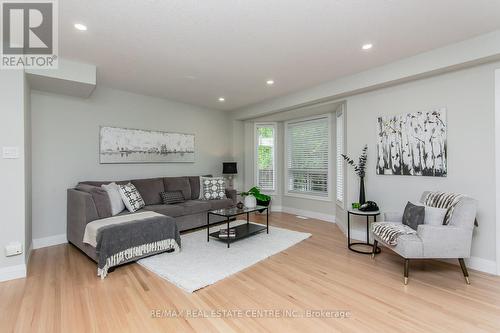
367, 243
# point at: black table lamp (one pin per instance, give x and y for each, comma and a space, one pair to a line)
230, 169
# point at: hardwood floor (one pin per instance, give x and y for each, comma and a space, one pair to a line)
63, 294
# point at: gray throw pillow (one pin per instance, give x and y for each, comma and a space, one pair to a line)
413, 215
172, 197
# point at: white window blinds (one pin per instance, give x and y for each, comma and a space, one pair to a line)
265, 156
308, 148
339, 158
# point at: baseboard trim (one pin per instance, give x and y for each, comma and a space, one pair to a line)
476, 263
39, 243
306, 213
276, 208
12, 272
483, 265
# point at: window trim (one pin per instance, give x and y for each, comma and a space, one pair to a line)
274, 125
341, 203
289, 193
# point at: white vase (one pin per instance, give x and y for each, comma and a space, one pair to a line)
250, 201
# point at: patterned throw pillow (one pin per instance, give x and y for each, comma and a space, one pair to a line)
131, 197
213, 188
172, 197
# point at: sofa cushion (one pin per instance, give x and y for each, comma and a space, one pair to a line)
167, 210
105, 182
220, 204
178, 184
100, 197
150, 189
194, 182
409, 246
194, 206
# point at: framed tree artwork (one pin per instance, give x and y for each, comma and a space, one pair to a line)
413, 144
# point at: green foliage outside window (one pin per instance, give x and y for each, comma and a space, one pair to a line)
265, 153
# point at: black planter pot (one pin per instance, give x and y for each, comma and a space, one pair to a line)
263, 203
361, 190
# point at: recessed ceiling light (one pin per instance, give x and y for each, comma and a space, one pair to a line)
367, 46
222, 99
81, 27
270, 82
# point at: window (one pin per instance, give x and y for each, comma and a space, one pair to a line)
307, 157
265, 156
338, 156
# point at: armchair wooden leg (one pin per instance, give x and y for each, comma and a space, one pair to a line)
407, 268
464, 270
375, 243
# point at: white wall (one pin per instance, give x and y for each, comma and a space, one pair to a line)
27, 170
66, 143
12, 175
497, 159
238, 154
468, 96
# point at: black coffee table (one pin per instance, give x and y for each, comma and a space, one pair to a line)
243, 230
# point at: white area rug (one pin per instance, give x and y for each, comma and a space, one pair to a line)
201, 263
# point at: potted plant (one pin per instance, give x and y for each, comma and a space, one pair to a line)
359, 168
254, 197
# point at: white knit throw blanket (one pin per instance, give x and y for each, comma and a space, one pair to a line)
389, 232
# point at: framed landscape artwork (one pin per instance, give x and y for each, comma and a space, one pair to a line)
413, 144
124, 145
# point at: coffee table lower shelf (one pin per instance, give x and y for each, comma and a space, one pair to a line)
242, 231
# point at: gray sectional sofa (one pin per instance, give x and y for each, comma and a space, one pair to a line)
190, 214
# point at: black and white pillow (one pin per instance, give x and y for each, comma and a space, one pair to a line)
172, 197
213, 188
131, 197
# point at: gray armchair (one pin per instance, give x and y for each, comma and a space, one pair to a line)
452, 241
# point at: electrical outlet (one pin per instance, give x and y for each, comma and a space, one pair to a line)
10, 152
13, 249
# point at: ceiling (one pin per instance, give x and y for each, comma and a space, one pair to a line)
195, 51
